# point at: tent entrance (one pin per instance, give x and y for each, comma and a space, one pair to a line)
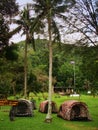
76, 113
22, 108
74, 110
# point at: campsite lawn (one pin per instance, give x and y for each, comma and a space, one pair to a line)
37, 121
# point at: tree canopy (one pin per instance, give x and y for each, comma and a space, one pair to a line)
83, 18
8, 8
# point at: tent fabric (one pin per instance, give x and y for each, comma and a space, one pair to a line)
44, 107
24, 108
74, 110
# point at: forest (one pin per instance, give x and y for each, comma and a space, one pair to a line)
12, 68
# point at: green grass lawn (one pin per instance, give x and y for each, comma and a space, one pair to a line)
37, 121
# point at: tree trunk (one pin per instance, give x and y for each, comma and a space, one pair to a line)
25, 68
49, 114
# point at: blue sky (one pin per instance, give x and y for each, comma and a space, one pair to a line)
16, 38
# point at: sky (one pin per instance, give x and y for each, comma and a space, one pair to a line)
23, 2
17, 37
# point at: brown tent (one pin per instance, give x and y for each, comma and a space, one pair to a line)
74, 110
44, 107
24, 108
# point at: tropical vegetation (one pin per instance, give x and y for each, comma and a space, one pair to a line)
56, 63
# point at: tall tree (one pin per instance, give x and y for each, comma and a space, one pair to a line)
49, 11
3, 31
25, 23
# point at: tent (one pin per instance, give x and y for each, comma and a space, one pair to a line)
24, 108
74, 110
44, 107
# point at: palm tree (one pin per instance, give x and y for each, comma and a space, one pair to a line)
25, 23
49, 10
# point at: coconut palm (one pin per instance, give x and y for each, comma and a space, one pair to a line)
25, 23
48, 10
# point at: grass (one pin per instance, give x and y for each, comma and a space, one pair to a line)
37, 122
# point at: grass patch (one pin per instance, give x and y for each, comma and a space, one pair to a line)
37, 122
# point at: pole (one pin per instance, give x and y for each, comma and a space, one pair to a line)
73, 63
74, 74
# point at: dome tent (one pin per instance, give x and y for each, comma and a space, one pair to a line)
74, 110
24, 108
44, 107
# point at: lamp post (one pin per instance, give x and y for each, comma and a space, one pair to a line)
73, 63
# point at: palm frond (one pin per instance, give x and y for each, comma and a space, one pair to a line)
16, 30
55, 31
37, 22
